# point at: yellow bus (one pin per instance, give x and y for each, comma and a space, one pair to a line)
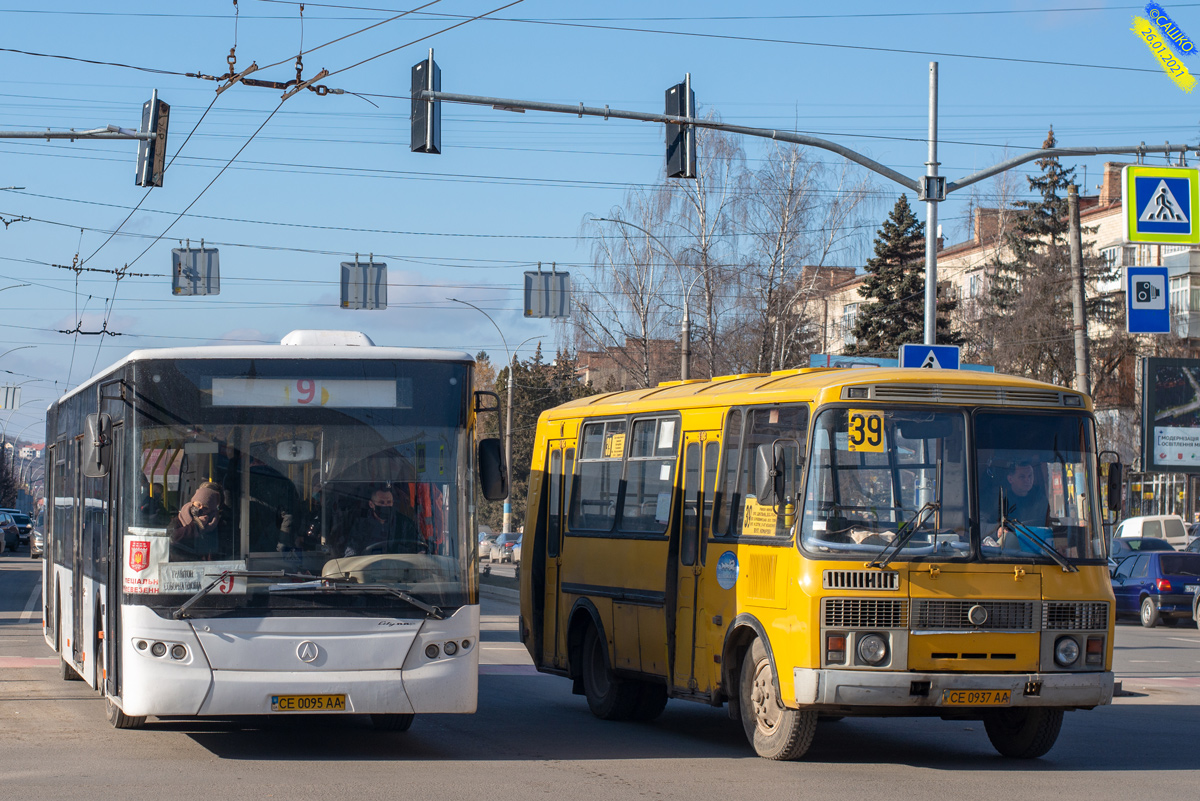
812, 544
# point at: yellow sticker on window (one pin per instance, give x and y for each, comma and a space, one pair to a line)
614, 446
866, 431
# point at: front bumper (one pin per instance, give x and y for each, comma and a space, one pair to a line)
887, 689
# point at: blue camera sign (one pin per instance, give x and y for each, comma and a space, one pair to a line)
1147, 310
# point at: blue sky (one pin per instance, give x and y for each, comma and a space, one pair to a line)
330, 176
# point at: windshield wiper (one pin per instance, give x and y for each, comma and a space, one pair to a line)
1025, 531
905, 534
336, 584
181, 612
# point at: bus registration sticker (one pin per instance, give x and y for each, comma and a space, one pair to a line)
727, 570
976, 697
866, 431
308, 703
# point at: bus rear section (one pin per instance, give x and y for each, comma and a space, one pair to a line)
812, 545
278, 530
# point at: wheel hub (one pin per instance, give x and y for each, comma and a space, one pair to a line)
762, 699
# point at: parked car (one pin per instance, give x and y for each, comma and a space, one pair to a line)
1167, 527
516, 551
24, 525
37, 545
502, 547
12, 534
1124, 546
1157, 585
1194, 547
486, 538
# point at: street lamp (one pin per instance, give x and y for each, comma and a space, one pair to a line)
507, 527
685, 325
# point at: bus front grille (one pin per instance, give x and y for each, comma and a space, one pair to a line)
967, 395
938, 615
861, 580
1074, 615
864, 613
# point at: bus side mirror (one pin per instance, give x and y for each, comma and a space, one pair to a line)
1114, 487
493, 478
769, 473
97, 453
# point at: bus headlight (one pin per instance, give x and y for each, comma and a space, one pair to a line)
872, 649
1066, 651
158, 649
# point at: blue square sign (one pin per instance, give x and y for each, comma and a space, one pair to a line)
1146, 308
1160, 204
1164, 205
935, 357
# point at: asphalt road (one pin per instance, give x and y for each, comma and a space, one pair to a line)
532, 739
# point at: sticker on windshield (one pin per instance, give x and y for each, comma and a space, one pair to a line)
865, 431
727, 570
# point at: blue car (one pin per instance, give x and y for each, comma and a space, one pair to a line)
1159, 585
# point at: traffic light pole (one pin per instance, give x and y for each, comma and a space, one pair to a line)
932, 188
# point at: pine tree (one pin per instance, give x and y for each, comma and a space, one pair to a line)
1027, 311
894, 313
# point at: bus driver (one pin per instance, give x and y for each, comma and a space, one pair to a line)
193, 532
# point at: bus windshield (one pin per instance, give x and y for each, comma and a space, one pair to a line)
877, 475
884, 480
1035, 481
302, 476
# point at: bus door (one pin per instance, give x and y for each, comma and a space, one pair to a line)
114, 548
692, 663
561, 466
78, 553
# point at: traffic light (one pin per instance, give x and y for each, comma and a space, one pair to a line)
681, 139
426, 114
152, 153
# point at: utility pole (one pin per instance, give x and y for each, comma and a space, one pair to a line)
931, 213
1083, 379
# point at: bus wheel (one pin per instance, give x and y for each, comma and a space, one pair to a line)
1149, 613
392, 722
652, 700
775, 731
1023, 733
609, 697
119, 719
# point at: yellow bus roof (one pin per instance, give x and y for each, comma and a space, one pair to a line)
825, 384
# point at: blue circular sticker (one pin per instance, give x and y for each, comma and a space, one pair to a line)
727, 570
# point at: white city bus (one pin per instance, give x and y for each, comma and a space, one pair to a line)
265, 612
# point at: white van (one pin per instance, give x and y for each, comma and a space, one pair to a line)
1164, 527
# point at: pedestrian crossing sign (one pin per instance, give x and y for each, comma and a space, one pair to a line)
1160, 204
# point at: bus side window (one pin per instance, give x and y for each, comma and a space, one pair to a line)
726, 497
688, 546
712, 452
568, 483
554, 501
594, 504
649, 476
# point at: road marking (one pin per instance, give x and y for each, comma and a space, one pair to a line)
28, 662
35, 600
1149, 661
1184, 639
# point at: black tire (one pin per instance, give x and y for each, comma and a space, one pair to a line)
775, 731
652, 700
392, 722
829, 718
1148, 613
609, 697
1023, 733
119, 719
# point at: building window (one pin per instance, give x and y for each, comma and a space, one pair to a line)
849, 316
1108, 258
975, 286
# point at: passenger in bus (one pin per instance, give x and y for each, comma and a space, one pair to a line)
194, 531
382, 530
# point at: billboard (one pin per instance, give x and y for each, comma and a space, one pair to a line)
1171, 415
